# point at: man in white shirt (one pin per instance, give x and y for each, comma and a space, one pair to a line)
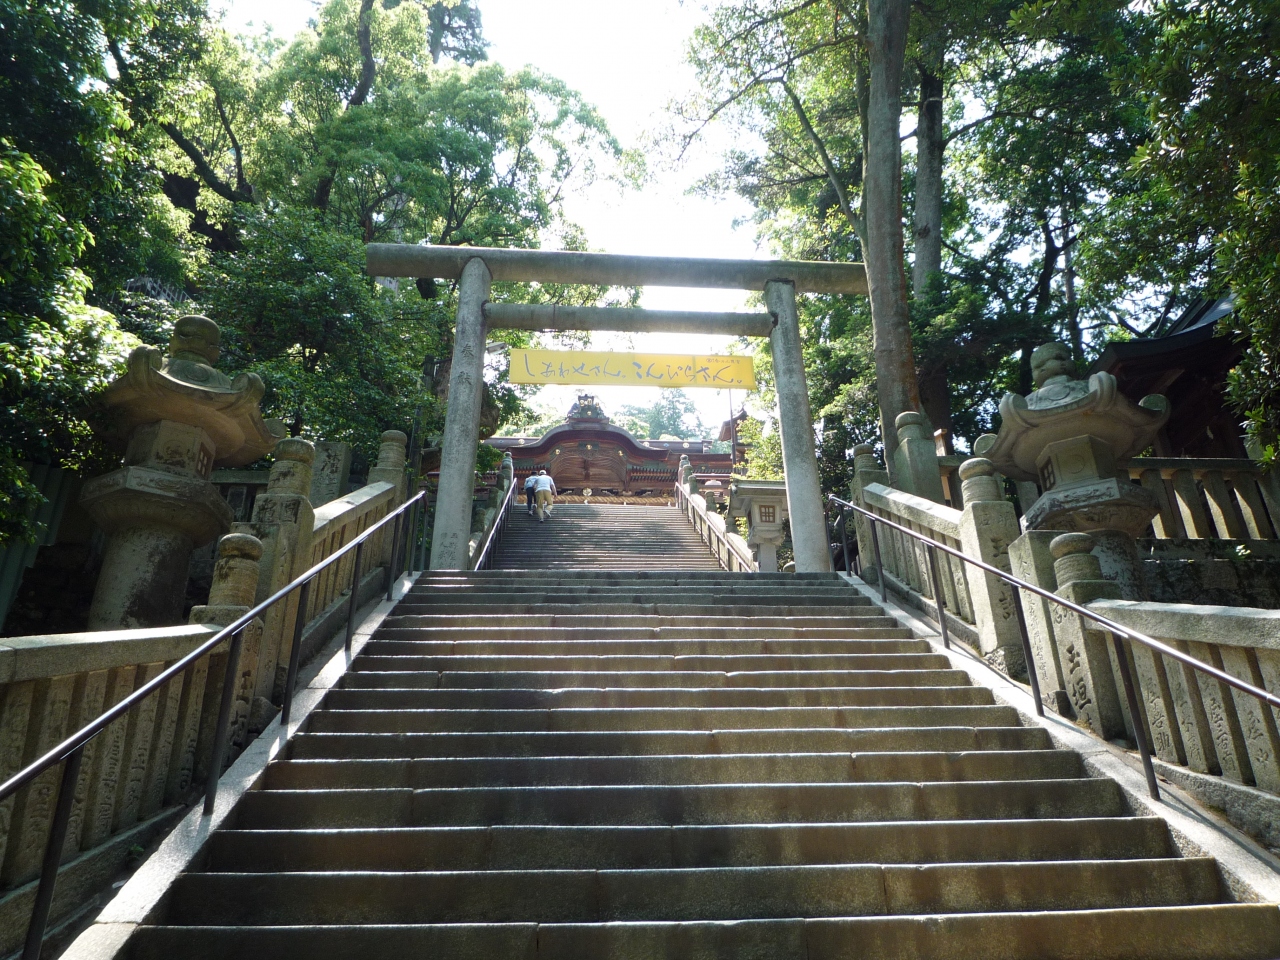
545, 489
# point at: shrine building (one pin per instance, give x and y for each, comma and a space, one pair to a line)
587, 452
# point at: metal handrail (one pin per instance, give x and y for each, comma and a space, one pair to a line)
1117, 631
494, 536
71, 750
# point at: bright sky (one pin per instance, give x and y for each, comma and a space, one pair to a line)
626, 58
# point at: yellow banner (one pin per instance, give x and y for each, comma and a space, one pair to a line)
583, 368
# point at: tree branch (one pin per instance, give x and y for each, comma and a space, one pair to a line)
203, 168
242, 185
364, 37
206, 172
827, 164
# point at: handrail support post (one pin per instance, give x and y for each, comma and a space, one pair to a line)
937, 598
354, 603
875, 543
1139, 733
392, 574
53, 856
223, 728
1027, 655
295, 654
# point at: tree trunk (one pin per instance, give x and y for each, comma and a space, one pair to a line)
928, 214
364, 39
935, 399
882, 191
1073, 307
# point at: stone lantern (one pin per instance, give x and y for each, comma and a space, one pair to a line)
764, 504
1074, 436
179, 418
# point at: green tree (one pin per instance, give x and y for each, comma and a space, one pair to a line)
673, 415
79, 217
1214, 82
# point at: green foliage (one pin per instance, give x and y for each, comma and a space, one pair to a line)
55, 351
151, 165
673, 416
487, 458
1214, 80
1105, 164
338, 353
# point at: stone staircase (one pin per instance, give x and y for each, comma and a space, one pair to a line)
581, 536
693, 765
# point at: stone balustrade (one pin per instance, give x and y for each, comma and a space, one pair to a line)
138, 774
1200, 498
1209, 498
134, 772
979, 605
729, 549
488, 517
1194, 720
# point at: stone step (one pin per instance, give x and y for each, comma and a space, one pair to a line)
657, 718
370, 679
695, 768
1218, 932
637, 641
507, 610
508, 699
735, 663
863, 618
680, 804
479, 576
724, 601
712, 893
660, 743
633, 585
875, 636
550, 847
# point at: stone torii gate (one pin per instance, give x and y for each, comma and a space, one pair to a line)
475, 268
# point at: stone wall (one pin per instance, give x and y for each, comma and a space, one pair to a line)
1213, 572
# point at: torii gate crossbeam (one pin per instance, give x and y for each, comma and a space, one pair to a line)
476, 268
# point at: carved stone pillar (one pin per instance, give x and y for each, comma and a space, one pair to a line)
235, 584
988, 525
180, 418
283, 520
392, 457
866, 471
916, 458
1082, 648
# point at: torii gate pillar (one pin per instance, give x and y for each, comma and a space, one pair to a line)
795, 423
451, 536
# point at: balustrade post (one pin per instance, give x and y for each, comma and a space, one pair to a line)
866, 471
916, 459
1086, 661
230, 678
283, 520
988, 525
